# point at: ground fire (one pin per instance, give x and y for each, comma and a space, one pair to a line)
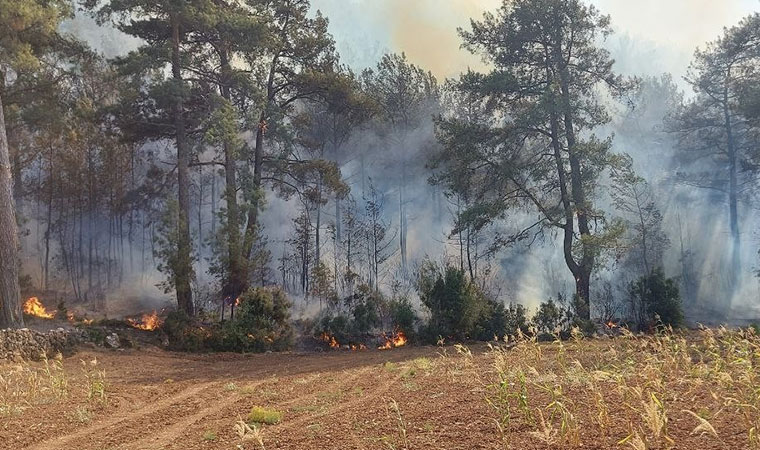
395, 339
148, 322
33, 307
330, 340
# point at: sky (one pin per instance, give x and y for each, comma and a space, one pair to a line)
652, 36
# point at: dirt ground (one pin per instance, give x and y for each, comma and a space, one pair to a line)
341, 399
411, 397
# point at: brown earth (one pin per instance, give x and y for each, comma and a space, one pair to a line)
332, 400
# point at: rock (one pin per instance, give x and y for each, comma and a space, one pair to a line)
112, 341
25, 344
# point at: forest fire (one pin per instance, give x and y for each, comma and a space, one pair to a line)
148, 322
396, 339
330, 340
33, 307
72, 318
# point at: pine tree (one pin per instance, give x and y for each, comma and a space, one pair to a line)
28, 29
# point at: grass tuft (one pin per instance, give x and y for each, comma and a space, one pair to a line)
259, 415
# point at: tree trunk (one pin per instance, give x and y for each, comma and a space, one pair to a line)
732, 197
184, 267
581, 207
236, 281
258, 161
317, 229
402, 217
10, 297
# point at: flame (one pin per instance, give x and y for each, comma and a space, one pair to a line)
396, 339
355, 347
87, 321
148, 322
33, 307
330, 340
610, 324
237, 301
70, 316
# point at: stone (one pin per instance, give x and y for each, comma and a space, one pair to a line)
112, 341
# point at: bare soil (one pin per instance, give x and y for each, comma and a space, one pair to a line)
331, 400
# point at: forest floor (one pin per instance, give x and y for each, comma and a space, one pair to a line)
698, 390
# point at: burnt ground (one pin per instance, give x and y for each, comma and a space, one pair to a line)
345, 400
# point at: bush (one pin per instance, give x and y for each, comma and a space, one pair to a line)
551, 317
182, 332
259, 415
365, 313
338, 326
459, 309
492, 322
516, 319
402, 315
657, 299
453, 302
354, 320
261, 323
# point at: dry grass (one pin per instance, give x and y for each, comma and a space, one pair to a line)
640, 384
25, 385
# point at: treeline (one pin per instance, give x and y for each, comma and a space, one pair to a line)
166, 157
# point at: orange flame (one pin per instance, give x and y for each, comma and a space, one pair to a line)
355, 347
611, 324
396, 339
33, 307
148, 322
330, 340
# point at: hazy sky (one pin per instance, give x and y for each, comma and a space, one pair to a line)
653, 36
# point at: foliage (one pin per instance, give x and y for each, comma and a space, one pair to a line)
28, 28
261, 323
551, 317
259, 415
634, 199
357, 318
658, 300
166, 249
458, 307
516, 319
531, 143
492, 321
402, 315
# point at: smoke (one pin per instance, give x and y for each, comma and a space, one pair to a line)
661, 35
652, 37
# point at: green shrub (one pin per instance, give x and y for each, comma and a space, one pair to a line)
183, 334
458, 307
338, 326
658, 299
402, 315
365, 314
357, 317
551, 317
259, 415
261, 323
492, 322
516, 319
